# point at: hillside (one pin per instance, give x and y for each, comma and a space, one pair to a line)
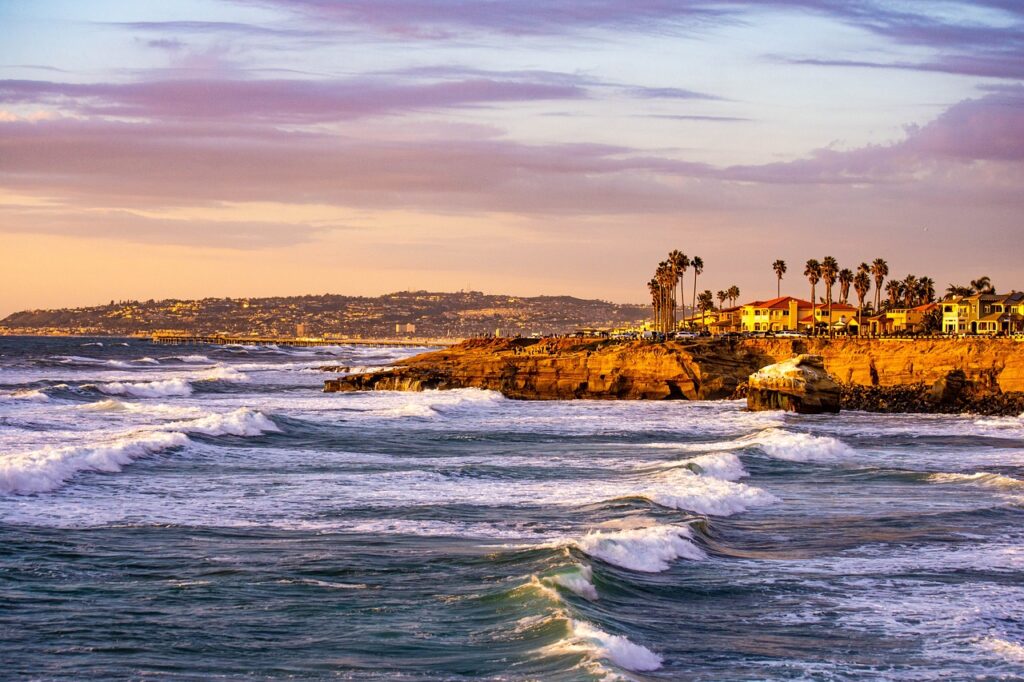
434, 314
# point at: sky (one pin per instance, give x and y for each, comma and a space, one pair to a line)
275, 147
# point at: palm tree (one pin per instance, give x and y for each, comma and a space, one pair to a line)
706, 302
861, 284
894, 289
667, 282
698, 267
909, 291
812, 271
845, 280
880, 270
983, 285
779, 267
957, 290
655, 290
829, 270
679, 263
734, 294
926, 289
721, 296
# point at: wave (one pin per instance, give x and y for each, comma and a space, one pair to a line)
93, 343
435, 403
161, 388
241, 422
777, 443
615, 648
224, 373
158, 409
684, 490
146, 361
981, 478
649, 550
48, 468
32, 395
1009, 651
578, 579
724, 466
587, 639
186, 359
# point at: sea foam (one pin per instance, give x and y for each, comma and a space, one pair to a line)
48, 468
615, 648
148, 389
649, 550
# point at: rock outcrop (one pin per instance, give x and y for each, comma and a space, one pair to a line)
799, 385
978, 370
554, 369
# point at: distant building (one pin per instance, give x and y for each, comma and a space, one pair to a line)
984, 314
901, 319
406, 328
300, 330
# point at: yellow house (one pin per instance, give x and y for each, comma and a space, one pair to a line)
776, 314
900, 319
984, 314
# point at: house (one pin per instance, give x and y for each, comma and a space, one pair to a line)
984, 314
776, 314
899, 320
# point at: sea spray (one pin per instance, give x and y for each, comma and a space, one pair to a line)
649, 550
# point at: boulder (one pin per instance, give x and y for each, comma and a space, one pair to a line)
799, 384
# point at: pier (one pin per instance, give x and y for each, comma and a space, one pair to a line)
167, 339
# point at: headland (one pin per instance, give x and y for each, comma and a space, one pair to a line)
895, 375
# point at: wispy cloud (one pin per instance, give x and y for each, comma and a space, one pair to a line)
128, 226
294, 101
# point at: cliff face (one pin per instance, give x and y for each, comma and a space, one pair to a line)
552, 369
992, 364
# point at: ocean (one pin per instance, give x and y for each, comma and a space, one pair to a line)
206, 512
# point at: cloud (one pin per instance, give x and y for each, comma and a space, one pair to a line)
280, 101
142, 164
987, 129
127, 226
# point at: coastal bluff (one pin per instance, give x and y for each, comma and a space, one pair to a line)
702, 369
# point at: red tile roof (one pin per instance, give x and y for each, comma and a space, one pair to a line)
780, 302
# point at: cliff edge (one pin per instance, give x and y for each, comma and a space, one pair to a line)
704, 369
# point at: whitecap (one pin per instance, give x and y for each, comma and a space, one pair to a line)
33, 395
981, 478
1009, 651
615, 648
649, 550
148, 389
578, 579
48, 468
240, 422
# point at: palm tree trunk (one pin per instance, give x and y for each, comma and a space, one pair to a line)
693, 301
778, 288
814, 314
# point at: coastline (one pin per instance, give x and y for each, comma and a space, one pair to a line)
982, 376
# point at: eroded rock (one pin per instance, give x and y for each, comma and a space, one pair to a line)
799, 384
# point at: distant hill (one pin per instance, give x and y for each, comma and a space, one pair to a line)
434, 314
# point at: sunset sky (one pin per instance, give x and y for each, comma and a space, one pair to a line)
187, 149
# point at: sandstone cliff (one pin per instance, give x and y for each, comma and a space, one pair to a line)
697, 370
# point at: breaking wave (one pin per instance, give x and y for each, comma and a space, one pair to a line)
981, 478
777, 443
160, 388
615, 648
48, 468
649, 550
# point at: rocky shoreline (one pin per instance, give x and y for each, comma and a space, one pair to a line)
979, 376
